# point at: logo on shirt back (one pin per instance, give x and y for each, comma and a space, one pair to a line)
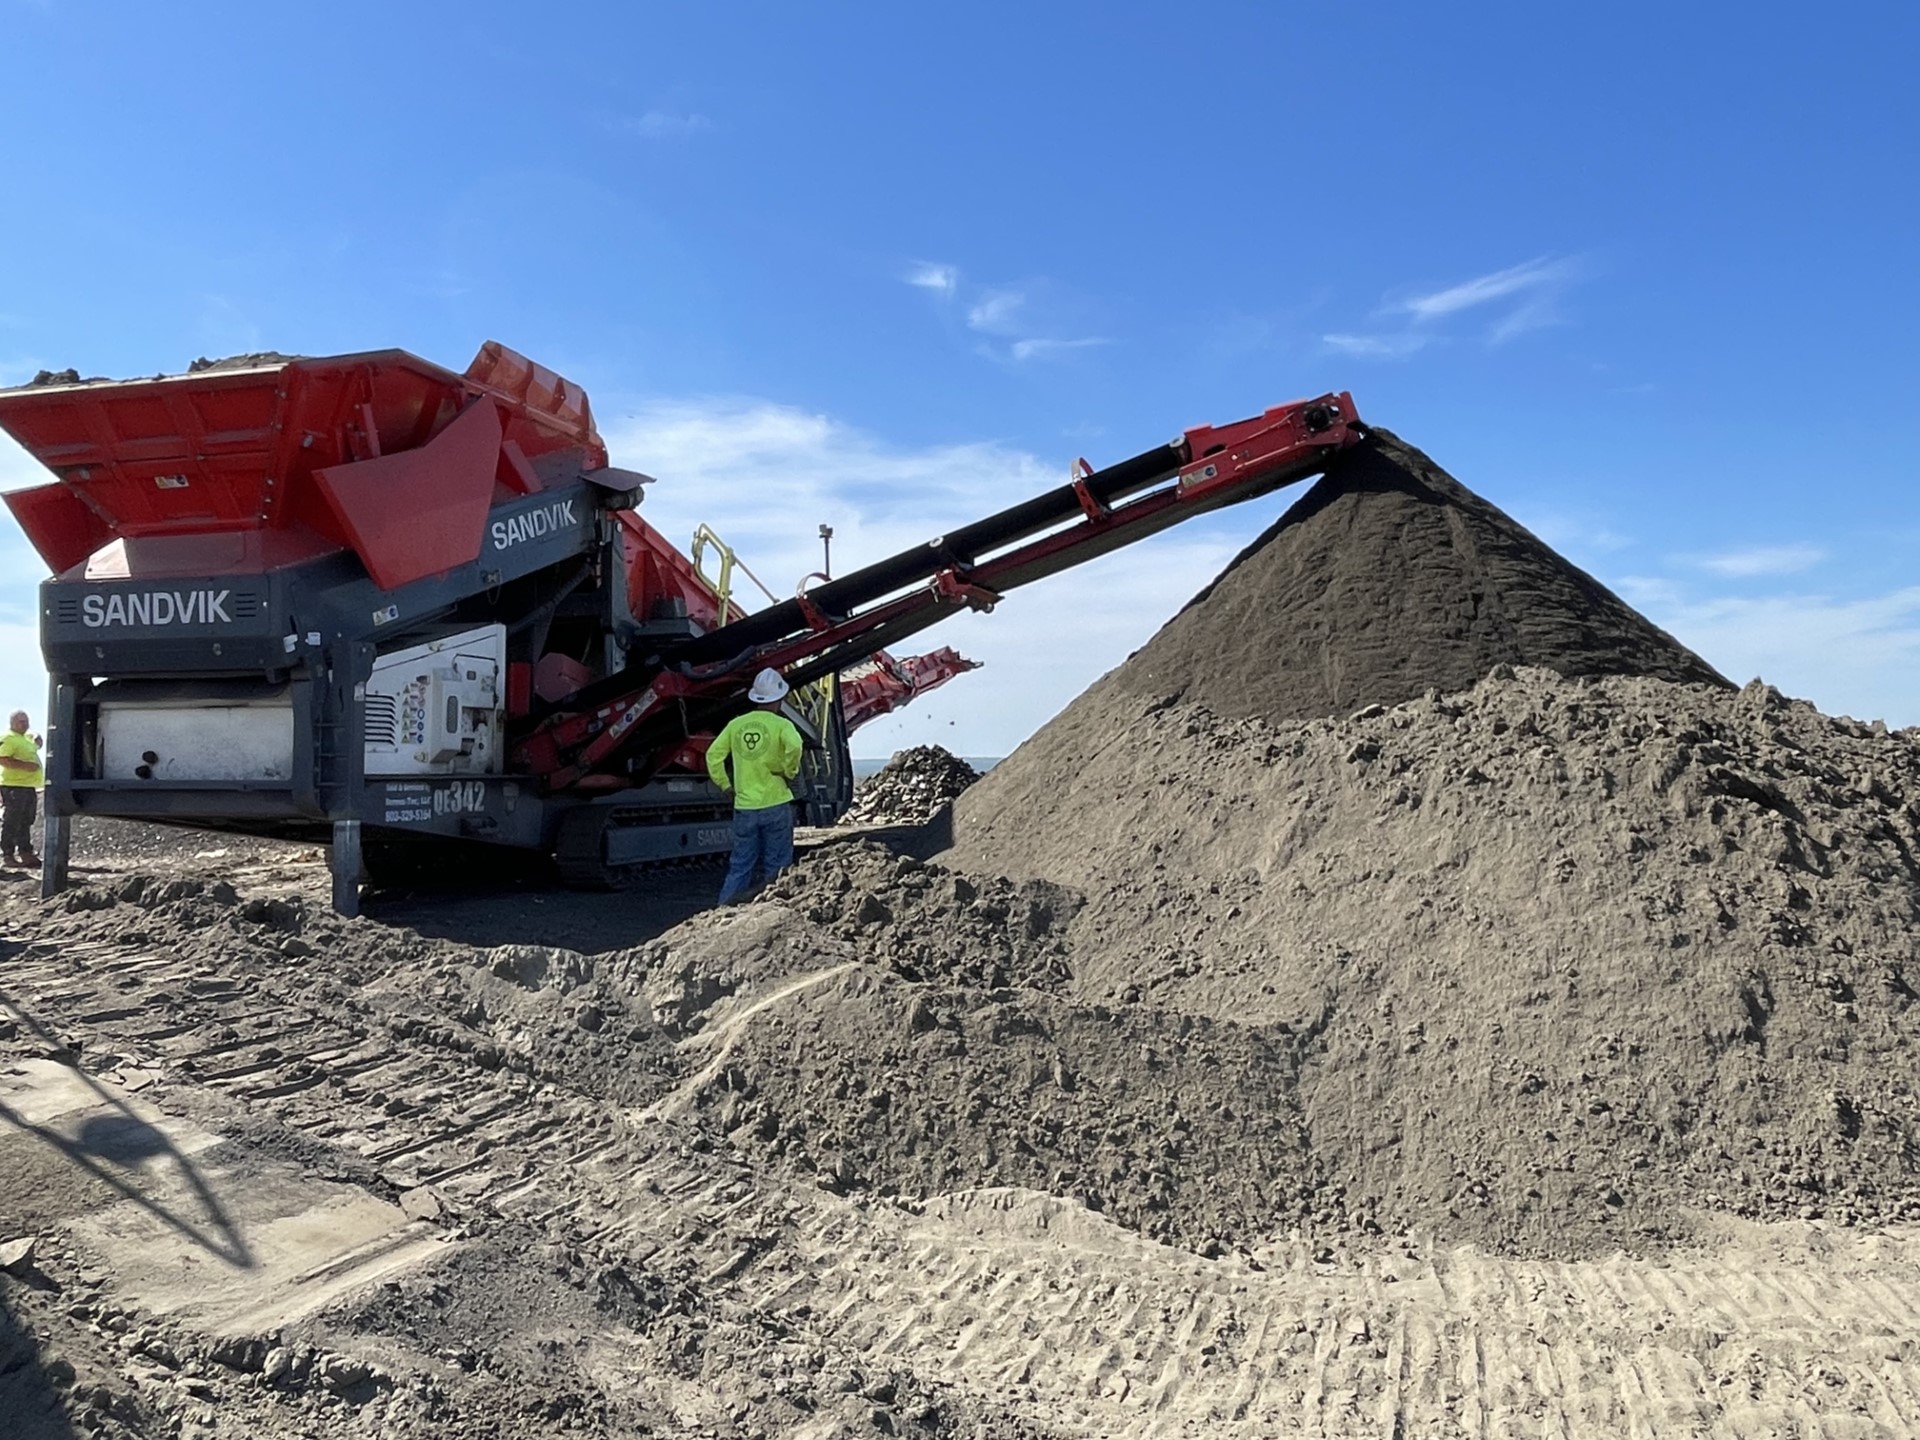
751, 739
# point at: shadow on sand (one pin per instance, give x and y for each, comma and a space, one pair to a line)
32, 1406
527, 906
534, 909
117, 1148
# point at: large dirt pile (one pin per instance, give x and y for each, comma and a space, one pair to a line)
1566, 955
1387, 578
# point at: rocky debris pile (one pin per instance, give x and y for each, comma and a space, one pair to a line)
251, 360
1387, 579
912, 788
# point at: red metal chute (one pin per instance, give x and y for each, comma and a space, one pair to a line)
867, 692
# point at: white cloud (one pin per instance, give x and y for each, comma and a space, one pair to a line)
1042, 349
23, 679
1526, 297
767, 476
1763, 560
1379, 347
1536, 314
1529, 277
1858, 657
662, 125
997, 312
943, 279
1005, 316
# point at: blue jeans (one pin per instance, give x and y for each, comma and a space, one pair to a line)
762, 840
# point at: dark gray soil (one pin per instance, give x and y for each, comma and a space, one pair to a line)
1387, 578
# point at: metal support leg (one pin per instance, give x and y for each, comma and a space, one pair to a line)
346, 867
54, 845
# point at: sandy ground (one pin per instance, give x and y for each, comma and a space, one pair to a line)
280, 1195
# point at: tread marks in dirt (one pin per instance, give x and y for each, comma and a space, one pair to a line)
653, 1223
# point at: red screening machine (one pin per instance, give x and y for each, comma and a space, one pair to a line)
403, 610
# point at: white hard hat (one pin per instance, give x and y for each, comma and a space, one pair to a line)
767, 687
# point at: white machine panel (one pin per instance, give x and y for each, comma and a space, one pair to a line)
435, 709
201, 740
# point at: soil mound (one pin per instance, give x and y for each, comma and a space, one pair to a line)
1572, 956
932, 1048
926, 923
1577, 948
1388, 578
911, 787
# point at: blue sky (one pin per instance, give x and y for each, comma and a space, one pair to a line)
1642, 275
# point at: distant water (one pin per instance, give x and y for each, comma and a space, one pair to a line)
871, 766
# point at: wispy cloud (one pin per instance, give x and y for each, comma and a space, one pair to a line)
1763, 560
997, 312
1396, 346
1045, 349
943, 280
1003, 314
1528, 278
661, 125
1513, 301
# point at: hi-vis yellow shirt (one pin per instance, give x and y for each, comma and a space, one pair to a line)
19, 747
766, 754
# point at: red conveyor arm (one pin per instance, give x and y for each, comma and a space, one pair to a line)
851, 618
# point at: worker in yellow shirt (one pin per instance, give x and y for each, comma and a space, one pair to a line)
764, 748
19, 790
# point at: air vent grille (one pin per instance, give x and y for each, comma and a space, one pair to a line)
383, 720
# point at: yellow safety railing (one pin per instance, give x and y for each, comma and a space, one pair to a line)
722, 585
